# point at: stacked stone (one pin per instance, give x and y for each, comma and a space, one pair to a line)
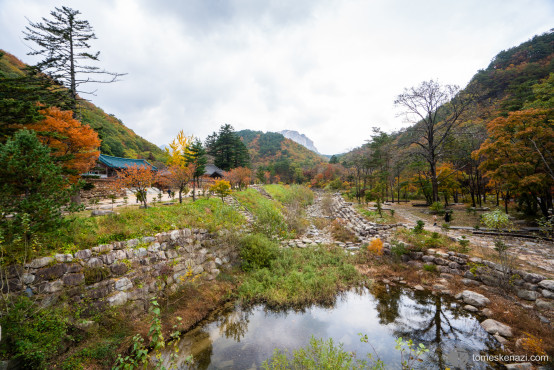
476, 271
355, 222
134, 270
231, 201
262, 191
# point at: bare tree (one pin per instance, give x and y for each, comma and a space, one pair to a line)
64, 41
436, 111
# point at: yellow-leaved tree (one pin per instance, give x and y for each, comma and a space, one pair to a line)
179, 174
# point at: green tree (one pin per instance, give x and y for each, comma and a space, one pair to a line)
227, 149
334, 159
64, 41
23, 94
221, 188
196, 155
31, 184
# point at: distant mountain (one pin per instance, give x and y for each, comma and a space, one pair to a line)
300, 139
117, 139
271, 151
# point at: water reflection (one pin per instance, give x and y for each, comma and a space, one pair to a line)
242, 338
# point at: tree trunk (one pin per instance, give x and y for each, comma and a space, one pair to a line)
194, 190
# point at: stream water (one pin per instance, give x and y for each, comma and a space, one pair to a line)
243, 338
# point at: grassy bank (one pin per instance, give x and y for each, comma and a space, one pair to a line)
84, 231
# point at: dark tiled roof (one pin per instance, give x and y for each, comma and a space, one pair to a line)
211, 169
121, 163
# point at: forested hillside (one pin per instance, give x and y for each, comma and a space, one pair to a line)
280, 156
117, 139
494, 137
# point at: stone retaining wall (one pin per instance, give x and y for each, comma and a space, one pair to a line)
102, 190
130, 271
476, 271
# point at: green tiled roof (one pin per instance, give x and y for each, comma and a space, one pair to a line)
121, 163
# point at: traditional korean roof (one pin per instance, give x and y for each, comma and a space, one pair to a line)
122, 163
213, 169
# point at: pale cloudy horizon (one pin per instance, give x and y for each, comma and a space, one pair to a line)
327, 69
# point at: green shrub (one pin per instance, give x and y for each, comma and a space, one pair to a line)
257, 251
430, 268
398, 248
32, 335
437, 208
418, 228
319, 354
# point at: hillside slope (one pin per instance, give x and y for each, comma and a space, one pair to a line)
117, 139
273, 152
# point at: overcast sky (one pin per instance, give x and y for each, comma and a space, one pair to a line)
328, 69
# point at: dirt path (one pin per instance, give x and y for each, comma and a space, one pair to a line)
535, 253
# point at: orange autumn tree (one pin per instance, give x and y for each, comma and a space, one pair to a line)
136, 179
73, 144
519, 154
240, 177
178, 177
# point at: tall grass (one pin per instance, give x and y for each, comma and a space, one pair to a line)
300, 276
269, 214
289, 194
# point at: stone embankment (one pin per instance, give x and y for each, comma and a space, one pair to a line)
363, 229
130, 271
231, 201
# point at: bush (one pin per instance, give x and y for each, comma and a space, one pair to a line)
376, 247
398, 248
437, 208
418, 228
32, 335
257, 251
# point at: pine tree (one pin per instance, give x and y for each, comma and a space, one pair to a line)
227, 149
32, 185
64, 42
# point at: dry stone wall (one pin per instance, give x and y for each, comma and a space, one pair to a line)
537, 289
129, 271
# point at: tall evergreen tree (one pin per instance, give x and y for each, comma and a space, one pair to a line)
32, 185
196, 155
227, 149
64, 42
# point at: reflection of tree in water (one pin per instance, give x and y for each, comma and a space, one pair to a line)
387, 302
234, 324
197, 343
426, 319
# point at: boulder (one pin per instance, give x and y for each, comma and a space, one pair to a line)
528, 295
123, 284
543, 304
470, 308
474, 299
492, 327
117, 299
83, 254
547, 284
73, 279
40, 262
